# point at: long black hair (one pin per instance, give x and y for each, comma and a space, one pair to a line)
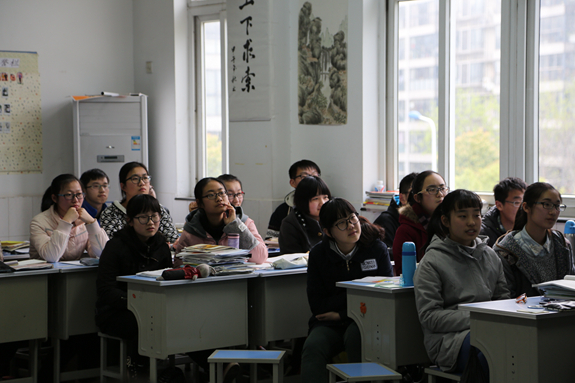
308, 188
199, 189
456, 200
339, 208
532, 194
55, 188
417, 184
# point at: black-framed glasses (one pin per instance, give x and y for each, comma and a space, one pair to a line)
551, 206
514, 203
144, 219
239, 195
351, 220
71, 196
304, 174
213, 196
434, 190
136, 179
98, 186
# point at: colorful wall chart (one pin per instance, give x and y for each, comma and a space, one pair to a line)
20, 113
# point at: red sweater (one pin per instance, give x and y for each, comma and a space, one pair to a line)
410, 229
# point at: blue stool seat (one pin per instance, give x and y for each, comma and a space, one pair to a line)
433, 372
362, 372
219, 357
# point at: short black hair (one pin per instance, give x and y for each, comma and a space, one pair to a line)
142, 203
92, 174
502, 189
230, 178
199, 188
125, 170
308, 188
302, 164
405, 183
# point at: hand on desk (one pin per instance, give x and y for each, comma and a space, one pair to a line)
332, 315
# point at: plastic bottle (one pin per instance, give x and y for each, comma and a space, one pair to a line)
379, 186
234, 240
570, 233
408, 263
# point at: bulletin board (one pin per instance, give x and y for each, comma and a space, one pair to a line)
20, 113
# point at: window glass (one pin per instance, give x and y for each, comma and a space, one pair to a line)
477, 88
557, 94
418, 87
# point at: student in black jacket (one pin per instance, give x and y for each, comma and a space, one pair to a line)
137, 247
351, 248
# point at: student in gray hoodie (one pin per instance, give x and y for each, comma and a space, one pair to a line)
458, 267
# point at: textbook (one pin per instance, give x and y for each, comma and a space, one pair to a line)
30, 264
217, 251
12, 246
559, 289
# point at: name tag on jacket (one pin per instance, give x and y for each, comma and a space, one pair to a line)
369, 264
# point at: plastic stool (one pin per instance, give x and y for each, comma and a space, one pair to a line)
362, 372
433, 372
219, 357
114, 372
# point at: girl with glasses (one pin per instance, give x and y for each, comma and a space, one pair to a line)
300, 230
64, 229
139, 246
135, 180
533, 252
351, 248
216, 218
458, 267
427, 191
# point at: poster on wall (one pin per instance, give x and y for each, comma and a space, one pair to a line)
248, 56
322, 62
20, 115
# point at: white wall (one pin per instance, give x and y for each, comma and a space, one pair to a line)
84, 47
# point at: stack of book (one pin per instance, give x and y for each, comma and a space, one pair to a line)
378, 200
16, 246
559, 289
213, 255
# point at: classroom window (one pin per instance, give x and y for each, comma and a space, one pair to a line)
557, 95
212, 129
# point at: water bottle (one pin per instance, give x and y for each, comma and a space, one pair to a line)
234, 240
379, 186
570, 233
408, 263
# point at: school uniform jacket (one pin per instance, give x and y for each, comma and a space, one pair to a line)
126, 254
326, 267
389, 220
113, 219
279, 214
521, 272
194, 233
299, 233
53, 239
410, 230
490, 225
446, 277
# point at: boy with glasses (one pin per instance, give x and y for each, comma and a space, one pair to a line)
500, 218
96, 185
298, 171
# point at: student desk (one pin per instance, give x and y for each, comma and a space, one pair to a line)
72, 306
24, 311
387, 319
182, 315
278, 306
523, 347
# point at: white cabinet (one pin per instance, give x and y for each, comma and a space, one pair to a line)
109, 132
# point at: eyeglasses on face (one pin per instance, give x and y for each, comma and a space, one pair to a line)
98, 186
434, 190
351, 220
515, 203
551, 206
213, 196
239, 195
71, 196
136, 179
304, 174
144, 219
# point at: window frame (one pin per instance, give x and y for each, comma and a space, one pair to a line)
519, 93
